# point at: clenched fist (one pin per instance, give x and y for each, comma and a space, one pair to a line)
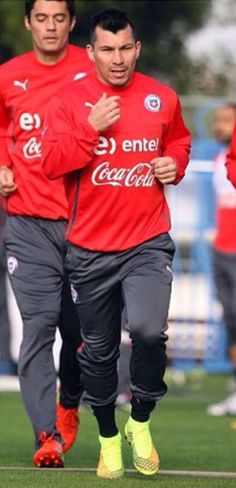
7, 184
165, 169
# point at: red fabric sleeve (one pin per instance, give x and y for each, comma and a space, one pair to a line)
65, 148
176, 142
4, 123
231, 159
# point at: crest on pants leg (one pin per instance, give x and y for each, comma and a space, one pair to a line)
74, 295
12, 265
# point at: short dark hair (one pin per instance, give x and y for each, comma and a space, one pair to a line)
111, 19
29, 4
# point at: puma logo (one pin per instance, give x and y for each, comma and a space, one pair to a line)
79, 76
88, 104
21, 84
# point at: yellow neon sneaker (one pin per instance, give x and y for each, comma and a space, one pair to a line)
110, 463
145, 457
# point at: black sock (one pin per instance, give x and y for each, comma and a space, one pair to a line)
105, 416
141, 409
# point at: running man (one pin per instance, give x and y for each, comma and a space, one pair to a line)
37, 213
120, 136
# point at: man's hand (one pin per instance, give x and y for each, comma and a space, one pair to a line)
165, 169
104, 113
7, 184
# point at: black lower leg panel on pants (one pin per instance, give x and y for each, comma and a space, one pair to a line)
105, 416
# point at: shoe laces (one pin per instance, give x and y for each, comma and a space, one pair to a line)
43, 437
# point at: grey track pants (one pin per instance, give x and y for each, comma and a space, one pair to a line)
141, 277
224, 267
35, 255
5, 354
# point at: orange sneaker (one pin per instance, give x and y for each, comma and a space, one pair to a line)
49, 454
67, 422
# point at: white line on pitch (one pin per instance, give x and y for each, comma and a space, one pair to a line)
205, 474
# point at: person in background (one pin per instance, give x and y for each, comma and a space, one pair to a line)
231, 158
121, 137
7, 365
224, 246
34, 236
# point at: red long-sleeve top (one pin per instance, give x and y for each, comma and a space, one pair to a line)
231, 159
115, 201
26, 85
225, 235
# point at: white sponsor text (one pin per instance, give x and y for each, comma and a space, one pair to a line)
32, 149
140, 175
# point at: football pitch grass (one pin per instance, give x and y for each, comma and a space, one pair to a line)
186, 437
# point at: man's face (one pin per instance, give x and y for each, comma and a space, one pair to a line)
49, 24
224, 123
114, 55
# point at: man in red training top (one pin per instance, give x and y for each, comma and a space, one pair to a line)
224, 247
231, 159
122, 136
34, 238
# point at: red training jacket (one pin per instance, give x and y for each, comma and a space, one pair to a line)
231, 159
116, 201
26, 85
225, 235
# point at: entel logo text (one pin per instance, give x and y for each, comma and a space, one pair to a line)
30, 121
108, 146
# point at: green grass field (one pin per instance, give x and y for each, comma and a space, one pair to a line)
187, 439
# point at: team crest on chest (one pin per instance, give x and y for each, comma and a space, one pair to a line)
152, 103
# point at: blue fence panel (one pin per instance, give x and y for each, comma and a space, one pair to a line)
197, 332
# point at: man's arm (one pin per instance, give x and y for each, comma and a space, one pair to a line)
231, 159
170, 167
66, 148
7, 184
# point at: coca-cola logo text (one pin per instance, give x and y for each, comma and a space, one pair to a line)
140, 175
32, 148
